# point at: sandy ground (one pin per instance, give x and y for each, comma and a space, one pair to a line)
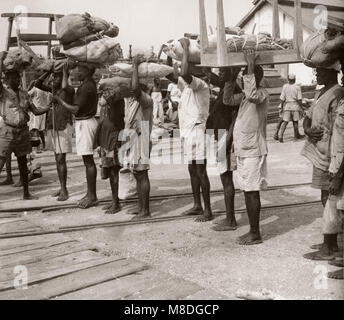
195, 252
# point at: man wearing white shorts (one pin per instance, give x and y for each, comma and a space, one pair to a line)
193, 113
249, 140
59, 126
84, 108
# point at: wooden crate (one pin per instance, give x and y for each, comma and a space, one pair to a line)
220, 57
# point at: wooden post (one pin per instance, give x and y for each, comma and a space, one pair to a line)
203, 26
275, 20
9, 33
298, 29
19, 46
221, 35
49, 41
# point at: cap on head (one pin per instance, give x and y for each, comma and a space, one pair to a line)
291, 77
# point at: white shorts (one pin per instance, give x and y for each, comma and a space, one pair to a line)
333, 216
252, 173
85, 131
37, 122
60, 141
195, 144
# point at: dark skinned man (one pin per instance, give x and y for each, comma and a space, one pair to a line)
317, 126
333, 212
249, 138
193, 113
14, 116
139, 122
84, 108
59, 126
222, 120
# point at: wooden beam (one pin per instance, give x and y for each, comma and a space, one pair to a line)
31, 15
35, 37
9, 33
221, 34
275, 20
50, 27
298, 29
203, 26
31, 43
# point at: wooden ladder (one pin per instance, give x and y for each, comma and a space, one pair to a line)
220, 57
31, 39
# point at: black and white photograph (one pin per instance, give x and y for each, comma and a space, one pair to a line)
171, 155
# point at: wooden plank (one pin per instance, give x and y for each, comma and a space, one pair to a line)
150, 284
79, 280
50, 27
221, 35
32, 43
34, 37
298, 28
30, 247
203, 27
9, 33
14, 242
31, 15
61, 271
19, 226
264, 58
275, 20
37, 255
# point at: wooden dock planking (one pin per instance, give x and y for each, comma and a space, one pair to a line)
148, 284
37, 255
113, 268
18, 226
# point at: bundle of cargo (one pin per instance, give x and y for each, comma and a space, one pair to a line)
145, 69
174, 49
17, 60
88, 39
323, 48
118, 86
234, 30
52, 65
146, 54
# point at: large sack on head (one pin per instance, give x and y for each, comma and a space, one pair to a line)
103, 51
75, 26
146, 70
174, 49
17, 60
312, 52
334, 45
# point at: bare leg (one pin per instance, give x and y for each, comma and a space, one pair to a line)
113, 175
9, 178
41, 135
196, 191
201, 170
278, 126
283, 128
229, 223
61, 166
144, 185
324, 197
23, 170
253, 206
91, 178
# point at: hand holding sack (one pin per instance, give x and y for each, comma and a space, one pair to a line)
146, 70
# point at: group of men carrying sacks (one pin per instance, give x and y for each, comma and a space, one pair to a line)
239, 110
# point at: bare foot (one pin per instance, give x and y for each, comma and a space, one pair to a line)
82, 199
87, 203
249, 239
226, 225
6, 182
107, 207
63, 196
30, 197
207, 216
141, 216
195, 211
337, 275
113, 210
321, 255
56, 194
320, 245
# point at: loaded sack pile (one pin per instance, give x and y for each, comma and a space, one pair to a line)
88, 39
323, 48
17, 60
236, 41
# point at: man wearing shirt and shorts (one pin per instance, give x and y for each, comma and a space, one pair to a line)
85, 108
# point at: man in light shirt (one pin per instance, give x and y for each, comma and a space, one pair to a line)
249, 139
193, 112
291, 104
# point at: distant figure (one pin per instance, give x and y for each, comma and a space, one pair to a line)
173, 94
158, 113
291, 105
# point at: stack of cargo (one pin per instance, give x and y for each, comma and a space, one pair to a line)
17, 60
88, 39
